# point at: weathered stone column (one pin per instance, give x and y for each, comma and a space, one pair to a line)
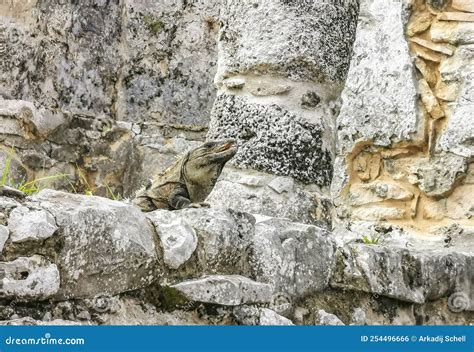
281, 69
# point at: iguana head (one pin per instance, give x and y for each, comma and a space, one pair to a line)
204, 165
210, 154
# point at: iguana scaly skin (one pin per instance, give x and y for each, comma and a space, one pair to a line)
187, 182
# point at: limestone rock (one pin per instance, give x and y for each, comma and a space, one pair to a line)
262, 89
229, 290
178, 238
426, 54
234, 83
401, 273
430, 101
250, 40
33, 122
419, 23
223, 237
272, 139
457, 137
30, 225
276, 196
269, 317
378, 213
296, 259
428, 74
379, 99
443, 49
376, 192
456, 16
437, 177
107, 246
358, 317
463, 5
246, 314
325, 318
4, 233
452, 32
32, 279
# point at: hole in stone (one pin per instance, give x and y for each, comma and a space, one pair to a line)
23, 275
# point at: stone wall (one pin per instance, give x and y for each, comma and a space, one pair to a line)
107, 92
349, 201
405, 132
88, 259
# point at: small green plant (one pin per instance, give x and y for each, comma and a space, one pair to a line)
374, 239
7, 168
32, 187
88, 190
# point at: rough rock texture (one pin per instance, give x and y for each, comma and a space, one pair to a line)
296, 259
325, 318
406, 126
4, 233
379, 98
32, 322
33, 278
245, 269
34, 225
125, 80
270, 195
223, 239
336, 211
455, 86
272, 139
269, 317
106, 247
178, 238
308, 49
225, 290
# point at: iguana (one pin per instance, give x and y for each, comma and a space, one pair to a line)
188, 181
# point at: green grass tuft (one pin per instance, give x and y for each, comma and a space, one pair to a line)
376, 239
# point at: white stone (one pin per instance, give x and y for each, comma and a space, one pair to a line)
297, 259
378, 213
377, 191
325, 318
358, 317
30, 225
108, 247
415, 273
32, 322
275, 196
29, 279
4, 233
269, 317
452, 32
379, 98
227, 290
282, 184
178, 238
234, 83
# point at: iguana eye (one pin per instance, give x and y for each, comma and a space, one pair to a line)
209, 145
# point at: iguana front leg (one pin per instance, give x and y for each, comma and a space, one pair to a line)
179, 199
